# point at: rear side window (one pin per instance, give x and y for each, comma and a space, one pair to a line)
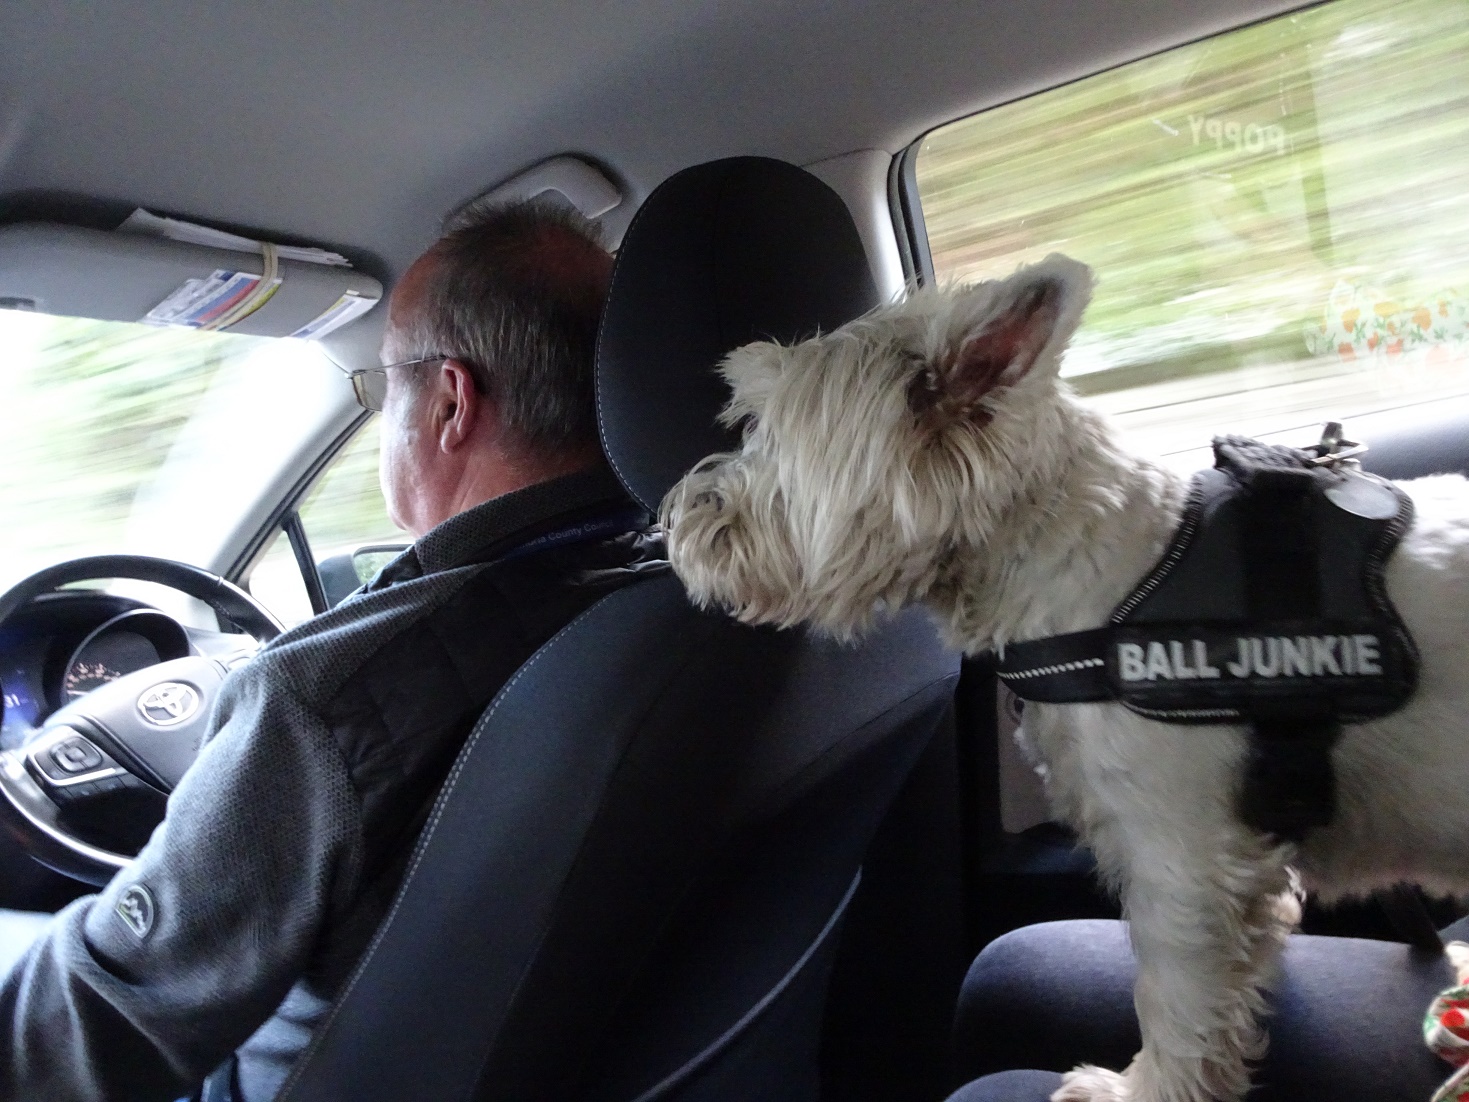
1278, 217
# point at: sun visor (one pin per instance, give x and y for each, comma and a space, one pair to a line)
135, 276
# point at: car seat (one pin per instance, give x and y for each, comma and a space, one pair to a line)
632, 884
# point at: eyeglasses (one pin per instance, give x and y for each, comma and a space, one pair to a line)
370, 384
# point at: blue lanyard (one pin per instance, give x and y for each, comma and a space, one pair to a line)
628, 519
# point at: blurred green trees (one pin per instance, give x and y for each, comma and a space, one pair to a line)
345, 509
90, 410
1225, 190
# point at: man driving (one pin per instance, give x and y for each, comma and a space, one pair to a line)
285, 843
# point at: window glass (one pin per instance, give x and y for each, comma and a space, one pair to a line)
120, 437
276, 582
90, 412
1276, 216
345, 509
343, 512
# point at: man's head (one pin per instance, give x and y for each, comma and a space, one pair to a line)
505, 308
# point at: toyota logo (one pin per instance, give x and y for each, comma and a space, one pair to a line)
169, 704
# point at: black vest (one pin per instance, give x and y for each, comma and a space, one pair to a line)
1268, 608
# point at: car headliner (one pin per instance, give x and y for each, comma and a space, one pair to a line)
359, 124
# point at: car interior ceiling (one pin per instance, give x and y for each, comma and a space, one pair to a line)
359, 134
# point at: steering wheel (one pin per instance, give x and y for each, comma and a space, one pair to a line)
135, 735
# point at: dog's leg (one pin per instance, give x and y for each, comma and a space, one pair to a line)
1210, 907
1204, 959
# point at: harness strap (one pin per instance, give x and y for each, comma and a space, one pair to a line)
1289, 785
1266, 610
1062, 669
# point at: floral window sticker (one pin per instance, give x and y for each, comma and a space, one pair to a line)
1362, 325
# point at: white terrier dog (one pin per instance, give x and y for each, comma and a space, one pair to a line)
930, 452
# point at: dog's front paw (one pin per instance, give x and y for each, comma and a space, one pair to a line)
1092, 1084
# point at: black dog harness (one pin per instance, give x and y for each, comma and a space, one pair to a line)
1269, 609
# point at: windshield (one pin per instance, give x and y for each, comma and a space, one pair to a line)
127, 438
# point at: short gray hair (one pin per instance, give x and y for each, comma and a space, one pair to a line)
516, 293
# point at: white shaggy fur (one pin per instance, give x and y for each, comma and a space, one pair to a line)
929, 452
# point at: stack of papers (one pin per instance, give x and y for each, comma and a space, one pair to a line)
201, 301
153, 225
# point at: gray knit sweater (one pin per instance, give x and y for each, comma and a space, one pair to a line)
284, 844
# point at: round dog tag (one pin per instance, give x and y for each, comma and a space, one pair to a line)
1364, 497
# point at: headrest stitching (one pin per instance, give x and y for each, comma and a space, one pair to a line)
601, 332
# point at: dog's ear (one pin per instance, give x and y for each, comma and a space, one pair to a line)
1021, 324
751, 372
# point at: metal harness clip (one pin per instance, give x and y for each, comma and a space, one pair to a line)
1335, 450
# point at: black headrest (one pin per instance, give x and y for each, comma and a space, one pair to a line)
719, 255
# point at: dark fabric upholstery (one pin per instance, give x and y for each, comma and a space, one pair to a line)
1346, 1026
1010, 1086
628, 810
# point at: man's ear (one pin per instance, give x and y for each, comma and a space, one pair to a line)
1024, 326
456, 404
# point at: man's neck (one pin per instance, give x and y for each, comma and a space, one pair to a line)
507, 472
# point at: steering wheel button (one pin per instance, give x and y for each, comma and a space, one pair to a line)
76, 755
73, 792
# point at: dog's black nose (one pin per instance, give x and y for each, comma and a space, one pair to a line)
708, 497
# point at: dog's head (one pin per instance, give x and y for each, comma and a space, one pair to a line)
877, 454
